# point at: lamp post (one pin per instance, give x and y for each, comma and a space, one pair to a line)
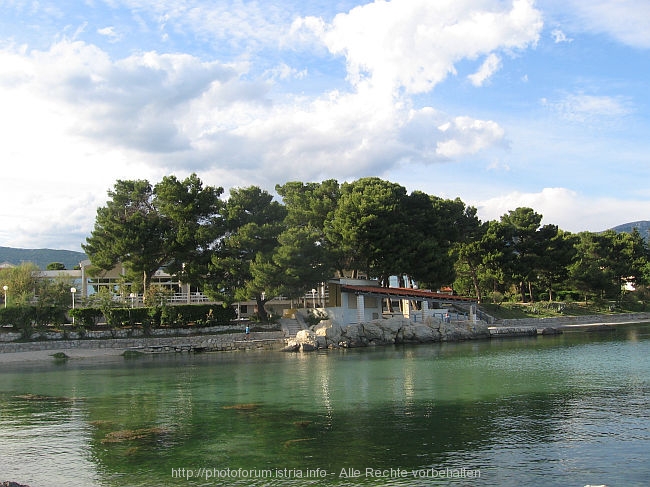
313, 298
73, 290
132, 296
5, 287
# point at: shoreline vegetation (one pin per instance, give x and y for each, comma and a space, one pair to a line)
109, 348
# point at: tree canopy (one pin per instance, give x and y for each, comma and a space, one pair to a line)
170, 225
252, 245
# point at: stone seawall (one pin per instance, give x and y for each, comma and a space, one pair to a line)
231, 341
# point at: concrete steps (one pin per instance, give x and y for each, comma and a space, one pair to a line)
291, 327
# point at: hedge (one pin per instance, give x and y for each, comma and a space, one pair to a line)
151, 317
26, 317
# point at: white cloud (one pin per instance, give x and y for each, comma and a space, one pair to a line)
110, 33
580, 107
175, 109
415, 44
624, 20
559, 36
246, 25
568, 209
490, 66
466, 135
147, 114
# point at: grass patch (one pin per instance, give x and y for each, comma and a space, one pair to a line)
546, 309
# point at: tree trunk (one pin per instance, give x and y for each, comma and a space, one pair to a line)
261, 311
477, 289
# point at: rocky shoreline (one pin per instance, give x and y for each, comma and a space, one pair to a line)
329, 335
324, 335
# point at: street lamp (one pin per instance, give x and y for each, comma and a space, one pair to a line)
313, 298
5, 287
73, 290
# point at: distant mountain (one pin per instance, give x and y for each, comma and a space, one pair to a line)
642, 226
41, 257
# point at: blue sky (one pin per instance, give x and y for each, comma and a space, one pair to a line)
501, 103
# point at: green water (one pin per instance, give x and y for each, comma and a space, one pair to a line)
558, 411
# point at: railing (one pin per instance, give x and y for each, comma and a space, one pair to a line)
176, 298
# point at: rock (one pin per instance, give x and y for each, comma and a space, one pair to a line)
306, 340
419, 333
307, 347
352, 336
327, 333
12, 484
372, 332
306, 336
551, 331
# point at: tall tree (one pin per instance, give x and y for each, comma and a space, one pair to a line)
305, 257
470, 254
626, 255
148, 228
522, 237
558, 254
368, 226
242, 265
446, 224
589, 271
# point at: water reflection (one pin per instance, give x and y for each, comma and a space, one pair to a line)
546, 411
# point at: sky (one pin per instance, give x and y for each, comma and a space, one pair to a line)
503, 104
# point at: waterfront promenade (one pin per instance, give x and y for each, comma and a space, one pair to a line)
19, 351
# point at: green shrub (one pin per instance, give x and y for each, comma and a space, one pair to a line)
86, 317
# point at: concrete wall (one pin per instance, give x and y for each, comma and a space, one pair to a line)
229, 341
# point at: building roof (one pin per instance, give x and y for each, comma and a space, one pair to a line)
403, 292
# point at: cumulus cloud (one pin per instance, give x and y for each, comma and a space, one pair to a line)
568, 209
136, 102
146, 113
414, 44
162, 104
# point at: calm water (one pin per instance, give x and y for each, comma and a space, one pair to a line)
554, 411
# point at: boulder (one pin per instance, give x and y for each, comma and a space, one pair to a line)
307, 347
549, 330
372, 332
327, 333
419, 333
306, 340
292, 346
352, 336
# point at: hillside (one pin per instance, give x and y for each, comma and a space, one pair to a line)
642, 226
41, 257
